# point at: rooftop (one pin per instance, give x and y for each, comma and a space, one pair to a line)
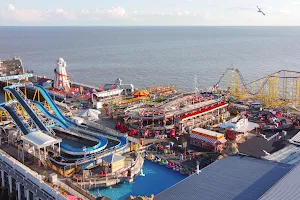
289, 155
257, 146
286, 188
234, 177
40, 139
242, 126
296, 139
113, 158
207, 132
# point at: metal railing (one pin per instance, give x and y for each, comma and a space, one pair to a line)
104, 129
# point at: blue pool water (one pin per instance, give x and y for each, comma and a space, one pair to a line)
157, 178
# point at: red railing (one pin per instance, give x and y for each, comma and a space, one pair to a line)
203, 109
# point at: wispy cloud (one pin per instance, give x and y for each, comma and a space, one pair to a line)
115, 13
212, 14
11, 12
284, 12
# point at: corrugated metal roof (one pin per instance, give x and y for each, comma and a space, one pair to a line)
236, 177
296, 138
286, 188
288, 155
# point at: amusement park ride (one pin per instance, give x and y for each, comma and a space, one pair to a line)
32, 116
279, 89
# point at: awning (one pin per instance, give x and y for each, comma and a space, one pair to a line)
205, 139
40, 139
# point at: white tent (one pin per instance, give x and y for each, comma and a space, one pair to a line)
242, 126
89, 114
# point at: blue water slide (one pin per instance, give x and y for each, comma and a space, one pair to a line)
16, 119
53, 105
102, 143
47, 113
47, 97
28, 110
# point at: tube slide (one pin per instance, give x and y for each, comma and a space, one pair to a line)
15, 118
28, 110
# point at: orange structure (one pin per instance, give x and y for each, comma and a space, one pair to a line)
141, 93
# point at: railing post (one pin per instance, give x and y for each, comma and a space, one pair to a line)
2, 179
10, 183
19, 190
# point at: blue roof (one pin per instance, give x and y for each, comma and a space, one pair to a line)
235, 177
286, 188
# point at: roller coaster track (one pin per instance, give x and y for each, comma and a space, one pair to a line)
265, 79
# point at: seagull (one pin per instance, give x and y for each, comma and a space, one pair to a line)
259, 10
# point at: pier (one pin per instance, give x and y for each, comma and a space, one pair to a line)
24, 181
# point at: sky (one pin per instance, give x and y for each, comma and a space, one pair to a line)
149, 13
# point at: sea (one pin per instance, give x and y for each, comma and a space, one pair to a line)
187, 57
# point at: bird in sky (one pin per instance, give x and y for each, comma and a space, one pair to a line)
259, 10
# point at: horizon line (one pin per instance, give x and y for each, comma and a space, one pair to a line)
149, 25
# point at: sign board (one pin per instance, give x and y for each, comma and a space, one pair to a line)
184, 144
16, 77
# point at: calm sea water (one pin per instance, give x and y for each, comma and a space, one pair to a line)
154, 55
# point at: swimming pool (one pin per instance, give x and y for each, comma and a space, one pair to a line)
157, 178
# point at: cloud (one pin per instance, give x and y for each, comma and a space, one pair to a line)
58, 14
11, 7
284, 12
12, 13
18, 15
180, 13
115, 15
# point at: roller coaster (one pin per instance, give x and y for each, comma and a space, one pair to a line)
279, 89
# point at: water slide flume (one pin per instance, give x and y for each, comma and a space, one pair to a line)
73, 126
101, 141
28, 110
15, 118
91, 152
